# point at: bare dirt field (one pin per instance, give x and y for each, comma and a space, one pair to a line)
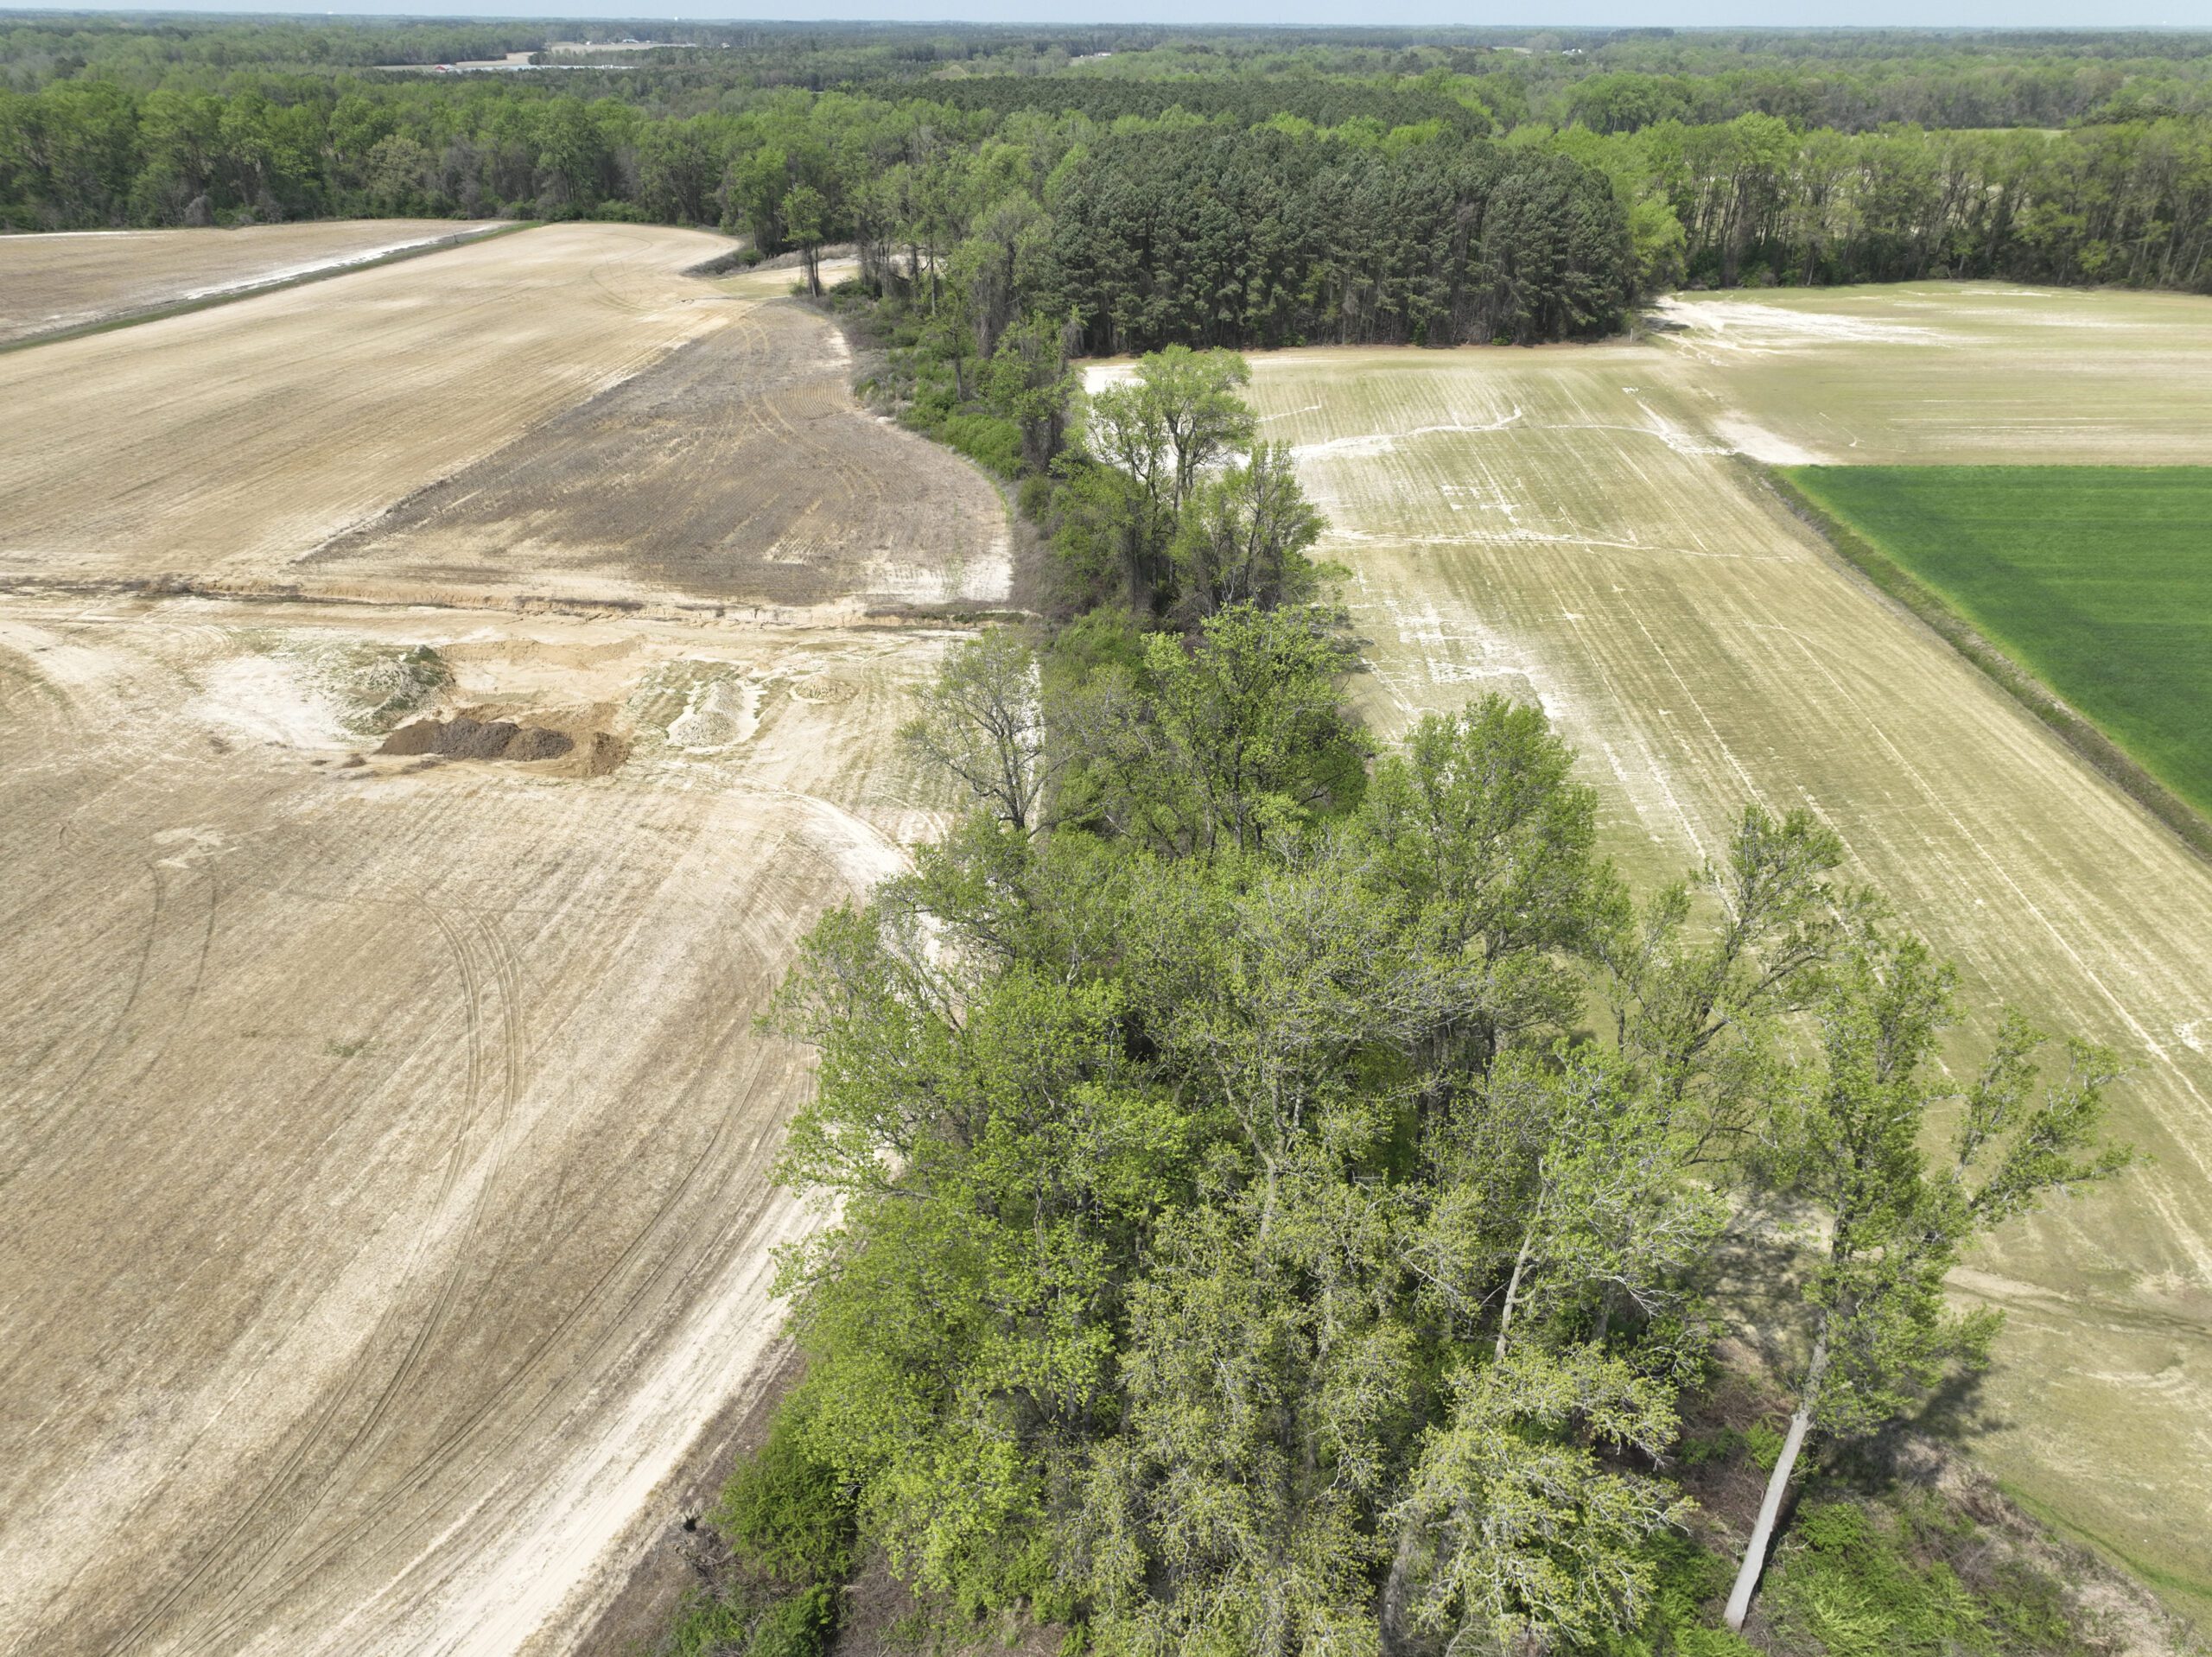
229, 443
736, 468
66, 281
1573, 526
1961, 373
383, 1141
498, 421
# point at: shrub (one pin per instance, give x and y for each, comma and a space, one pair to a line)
783, 1512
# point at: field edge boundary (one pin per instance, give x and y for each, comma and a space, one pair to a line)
1892, 580
255, 291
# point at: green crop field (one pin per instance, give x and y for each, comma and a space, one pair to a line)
2098, 579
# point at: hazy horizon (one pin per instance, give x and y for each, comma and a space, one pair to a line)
1929, 15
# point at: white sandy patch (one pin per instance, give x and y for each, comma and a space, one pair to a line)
1366, 443
1748, 437
723, 714
264, 700
985, 578
312, 267
1746, 325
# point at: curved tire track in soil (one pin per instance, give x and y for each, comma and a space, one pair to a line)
252, 1535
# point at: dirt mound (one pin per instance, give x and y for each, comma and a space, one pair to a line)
602, 755
463, 738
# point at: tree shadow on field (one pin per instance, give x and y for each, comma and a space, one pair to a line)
1759, 1270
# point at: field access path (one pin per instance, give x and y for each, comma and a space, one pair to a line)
383, 1140
1579, 527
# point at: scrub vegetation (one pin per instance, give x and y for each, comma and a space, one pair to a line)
2095, 577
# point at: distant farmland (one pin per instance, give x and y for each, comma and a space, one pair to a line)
2099, 579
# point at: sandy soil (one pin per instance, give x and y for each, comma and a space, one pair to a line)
1570, 525
384, 1144
229, 443
49, 283
737, 468
505, 421
1961, 373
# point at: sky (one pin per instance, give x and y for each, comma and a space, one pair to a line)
1681, 14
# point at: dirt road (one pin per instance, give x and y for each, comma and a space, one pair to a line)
384, 1144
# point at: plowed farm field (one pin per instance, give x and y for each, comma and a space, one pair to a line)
506, 420
384, 1136
68, 280
1583, 527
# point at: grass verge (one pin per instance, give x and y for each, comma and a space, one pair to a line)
1887, 571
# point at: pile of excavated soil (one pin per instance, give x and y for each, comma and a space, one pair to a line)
463, 738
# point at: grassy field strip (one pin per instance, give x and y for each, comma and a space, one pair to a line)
1605, 556
2098, 579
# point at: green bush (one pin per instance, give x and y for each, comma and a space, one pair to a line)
797, 1626
783, 1512
992, 443
751, 1622
708, 1627
1686, 1580
1764, 1443
1846, 1583
1710, 1643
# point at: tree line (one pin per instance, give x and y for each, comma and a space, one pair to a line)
1155, 221
1760, 201
1279, 1181
1146, 232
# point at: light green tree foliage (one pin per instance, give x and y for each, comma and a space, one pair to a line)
1027, 380
1243, 536
1160, 430
1243, 1244
804, 213
982, 721
1171, 504
1588, 1178
1701, 1008
1482, 848
1224, 742
1850, 1146
1522, 1530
